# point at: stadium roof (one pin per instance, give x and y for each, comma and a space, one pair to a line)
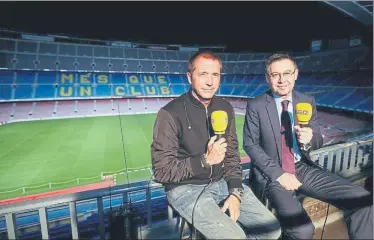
260, 26
360, 10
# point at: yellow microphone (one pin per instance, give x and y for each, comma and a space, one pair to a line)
219, 121
303, 113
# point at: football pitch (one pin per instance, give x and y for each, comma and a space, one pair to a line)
41, 156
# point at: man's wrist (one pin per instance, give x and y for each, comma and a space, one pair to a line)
237, 197
205, 162
239, 192
305, 147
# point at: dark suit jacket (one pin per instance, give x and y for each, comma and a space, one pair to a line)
262, 135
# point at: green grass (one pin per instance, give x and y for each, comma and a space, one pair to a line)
39, 152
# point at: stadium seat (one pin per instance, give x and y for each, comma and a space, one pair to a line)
147, 66
25, 61
171, 55
158, 55
132, 66
101, 51
47, 62
144, 54
66, 63
131, 53
101, 64
116, 52
67, 50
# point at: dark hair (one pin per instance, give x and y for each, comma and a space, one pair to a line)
277, 57
205, 54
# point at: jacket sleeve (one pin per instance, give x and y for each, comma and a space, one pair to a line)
232, 167
167, 166
251, 144
317, 140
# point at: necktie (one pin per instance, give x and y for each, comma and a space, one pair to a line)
288, 162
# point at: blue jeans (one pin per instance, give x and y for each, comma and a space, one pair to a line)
257, 221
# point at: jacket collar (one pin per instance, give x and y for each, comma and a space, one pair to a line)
196, 102
270, 96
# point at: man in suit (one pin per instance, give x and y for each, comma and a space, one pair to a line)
279, 151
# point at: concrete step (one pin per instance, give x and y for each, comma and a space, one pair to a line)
335, 227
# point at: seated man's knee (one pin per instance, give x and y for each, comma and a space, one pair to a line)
305, 231
275, 233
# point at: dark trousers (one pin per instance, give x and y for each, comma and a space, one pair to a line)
320, 184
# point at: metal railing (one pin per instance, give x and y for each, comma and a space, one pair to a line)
347, 160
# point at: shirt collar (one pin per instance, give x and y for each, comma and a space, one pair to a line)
278, 99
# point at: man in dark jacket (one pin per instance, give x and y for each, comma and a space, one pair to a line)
198, 172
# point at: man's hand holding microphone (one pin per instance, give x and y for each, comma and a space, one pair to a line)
216, 151
304, 135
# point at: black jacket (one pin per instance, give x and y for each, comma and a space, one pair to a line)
181, 133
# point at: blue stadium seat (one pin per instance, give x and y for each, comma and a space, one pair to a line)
45, 91
23, 91
26, 61
47, 48
177, 79
259, 90
178, 89
101, 64
366, 105
131, 53
85, 63
66, 63
132, 66
239, 89
101, 51
360, 96
117, 65
171, 55
67, 50
160, 66
158, 55
144, 54
47, 62
147, 66
237, 79
6, 77
227, 79
105, 90
25, 77
85, 51
5, 92
226, 89
117, 79
336, 94
174, 67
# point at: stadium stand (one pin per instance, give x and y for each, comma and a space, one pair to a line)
48, 80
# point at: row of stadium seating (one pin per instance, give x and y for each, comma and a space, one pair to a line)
17, 54
349, 78
356, 94
340, 97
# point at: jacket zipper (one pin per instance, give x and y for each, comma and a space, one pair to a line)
207, 119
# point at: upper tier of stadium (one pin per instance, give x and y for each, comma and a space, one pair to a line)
40, 70
21, 54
